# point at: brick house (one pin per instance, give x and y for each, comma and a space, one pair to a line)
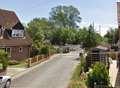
13, 36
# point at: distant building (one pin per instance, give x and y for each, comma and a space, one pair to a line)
13, 36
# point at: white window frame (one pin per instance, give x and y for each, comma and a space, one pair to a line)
20, 49
17, 33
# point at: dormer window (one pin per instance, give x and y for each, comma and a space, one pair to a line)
17, 33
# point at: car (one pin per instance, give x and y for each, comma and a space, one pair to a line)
5, 81
66, 50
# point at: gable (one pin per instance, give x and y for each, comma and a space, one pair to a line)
18, 26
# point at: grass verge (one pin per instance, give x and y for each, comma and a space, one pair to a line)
76, 81
21, 64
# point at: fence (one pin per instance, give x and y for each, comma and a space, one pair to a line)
37, 59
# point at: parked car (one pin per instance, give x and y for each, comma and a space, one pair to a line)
66, 50
5, 81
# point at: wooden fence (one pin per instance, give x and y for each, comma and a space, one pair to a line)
37, 59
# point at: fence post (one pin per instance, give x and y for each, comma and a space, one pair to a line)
29, 62
37, 58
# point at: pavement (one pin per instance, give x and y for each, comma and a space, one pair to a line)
14, 71
53, 73
113, 72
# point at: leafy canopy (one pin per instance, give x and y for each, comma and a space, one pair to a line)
65, 17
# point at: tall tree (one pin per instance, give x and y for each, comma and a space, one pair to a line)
112, 36
88, 37
65, 17
40, 30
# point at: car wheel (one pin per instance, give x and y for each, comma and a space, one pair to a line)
7, 85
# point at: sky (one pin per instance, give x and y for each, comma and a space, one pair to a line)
102, 12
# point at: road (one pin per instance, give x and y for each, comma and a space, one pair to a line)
55, 73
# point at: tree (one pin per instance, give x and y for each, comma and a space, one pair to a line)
81, 36
40, 24
112, 36
64, 36
65, 17
88, 37
99, 75
4, 59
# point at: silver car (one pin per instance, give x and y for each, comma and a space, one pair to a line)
5, 81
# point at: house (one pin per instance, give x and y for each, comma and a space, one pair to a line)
97, 54
13, 36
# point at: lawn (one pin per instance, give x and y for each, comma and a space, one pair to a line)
20, 64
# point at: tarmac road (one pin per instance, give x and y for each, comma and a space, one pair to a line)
55, 73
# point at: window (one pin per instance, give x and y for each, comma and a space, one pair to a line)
17, 33
8, 50
20, 49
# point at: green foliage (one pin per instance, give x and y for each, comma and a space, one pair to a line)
13, 62
65, 17
4, 59
88, 37
48, 49
82, 63
45, 50
98, 75
76, 81
112, 36
60, 29
64, 36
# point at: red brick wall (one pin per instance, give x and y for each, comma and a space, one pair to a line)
15, 54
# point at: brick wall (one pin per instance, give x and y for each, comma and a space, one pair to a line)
17, 54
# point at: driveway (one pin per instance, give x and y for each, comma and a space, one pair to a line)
55, 73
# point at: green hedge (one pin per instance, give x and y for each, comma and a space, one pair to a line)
44, 49
13, 62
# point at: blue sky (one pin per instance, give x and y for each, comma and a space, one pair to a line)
101, 12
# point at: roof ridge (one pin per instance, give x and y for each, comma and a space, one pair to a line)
7, 10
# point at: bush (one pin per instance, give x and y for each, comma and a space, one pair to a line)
13, 62
34, 52
99, 75
52, 50
45, 50
4, 59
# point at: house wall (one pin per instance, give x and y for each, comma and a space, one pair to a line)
17, 55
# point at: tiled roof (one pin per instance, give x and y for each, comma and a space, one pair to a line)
8, 19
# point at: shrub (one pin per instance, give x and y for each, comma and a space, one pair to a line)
99, 75
13, 62
34, 51
4, 59
52, 50
45, 50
